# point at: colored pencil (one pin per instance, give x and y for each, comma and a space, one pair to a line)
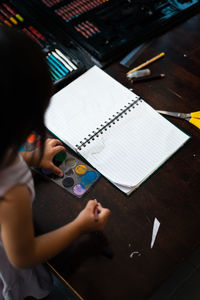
146, 63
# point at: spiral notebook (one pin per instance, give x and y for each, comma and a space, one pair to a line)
115, 130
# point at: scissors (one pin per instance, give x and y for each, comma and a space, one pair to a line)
193, 117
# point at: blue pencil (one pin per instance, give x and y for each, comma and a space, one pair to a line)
56, 66
60, 64
54, 71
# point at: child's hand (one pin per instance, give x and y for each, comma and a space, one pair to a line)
93, 217
51, 148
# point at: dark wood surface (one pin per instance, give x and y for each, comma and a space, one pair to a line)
171, 194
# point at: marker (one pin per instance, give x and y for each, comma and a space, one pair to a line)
147, 63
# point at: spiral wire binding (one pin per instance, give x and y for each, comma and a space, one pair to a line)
108, 124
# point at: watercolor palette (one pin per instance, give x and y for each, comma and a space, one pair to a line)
78, 177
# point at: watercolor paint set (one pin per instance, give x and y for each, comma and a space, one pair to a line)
78, 176
64, 66
107, 28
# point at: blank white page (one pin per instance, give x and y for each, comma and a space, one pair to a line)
134, 147
85, 104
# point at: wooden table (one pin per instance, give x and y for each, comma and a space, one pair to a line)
171, 194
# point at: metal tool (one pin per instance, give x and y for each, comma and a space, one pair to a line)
193, 117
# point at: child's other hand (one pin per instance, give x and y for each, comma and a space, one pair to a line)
51, 148
89, 220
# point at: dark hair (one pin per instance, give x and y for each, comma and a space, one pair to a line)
25, 90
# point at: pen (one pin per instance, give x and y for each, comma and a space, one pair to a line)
160, 76
146, 63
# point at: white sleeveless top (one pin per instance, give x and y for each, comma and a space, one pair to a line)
16, 284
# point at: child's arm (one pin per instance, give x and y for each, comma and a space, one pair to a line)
22, 248
51, 148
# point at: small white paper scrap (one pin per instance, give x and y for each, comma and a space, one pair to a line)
156, 226
135, 253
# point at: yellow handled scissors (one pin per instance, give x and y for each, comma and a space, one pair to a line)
193, 117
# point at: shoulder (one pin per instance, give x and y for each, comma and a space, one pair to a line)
17, 198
